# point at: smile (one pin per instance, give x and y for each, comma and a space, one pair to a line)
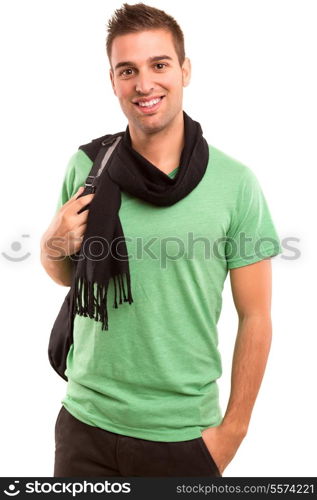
149, 106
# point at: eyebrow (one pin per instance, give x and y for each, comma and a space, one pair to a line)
150, 59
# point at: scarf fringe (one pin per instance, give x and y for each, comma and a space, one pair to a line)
94, 306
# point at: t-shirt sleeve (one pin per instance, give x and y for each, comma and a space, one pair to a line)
252, 235
75, 174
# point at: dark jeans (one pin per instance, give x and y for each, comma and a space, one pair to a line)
83, 450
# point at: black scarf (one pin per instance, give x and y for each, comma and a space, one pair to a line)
103, 253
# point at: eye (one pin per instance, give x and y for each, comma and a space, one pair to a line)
161, 64
124, 72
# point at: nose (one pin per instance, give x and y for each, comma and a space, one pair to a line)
144, 84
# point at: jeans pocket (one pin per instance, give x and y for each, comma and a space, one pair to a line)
208, 455
58, 416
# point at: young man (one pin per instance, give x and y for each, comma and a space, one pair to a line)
142, 396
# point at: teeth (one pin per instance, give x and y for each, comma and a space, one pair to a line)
150, 103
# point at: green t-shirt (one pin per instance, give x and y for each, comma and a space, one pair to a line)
153, 374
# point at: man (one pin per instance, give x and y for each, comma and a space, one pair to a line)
142, 397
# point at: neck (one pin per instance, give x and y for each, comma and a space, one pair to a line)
163, 149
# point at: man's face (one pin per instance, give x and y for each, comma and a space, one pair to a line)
145, 67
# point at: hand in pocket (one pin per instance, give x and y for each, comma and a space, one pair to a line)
222, 444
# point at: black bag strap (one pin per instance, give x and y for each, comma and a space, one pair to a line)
107, 147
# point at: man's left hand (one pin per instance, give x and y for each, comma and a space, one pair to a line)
222, 442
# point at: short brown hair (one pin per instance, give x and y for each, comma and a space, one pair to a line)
141, 17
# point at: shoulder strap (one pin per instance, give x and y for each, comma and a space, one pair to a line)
99, 150
91, 148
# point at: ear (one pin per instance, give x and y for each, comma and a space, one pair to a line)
186, 71
112, 81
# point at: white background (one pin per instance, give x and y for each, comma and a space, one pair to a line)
253, 90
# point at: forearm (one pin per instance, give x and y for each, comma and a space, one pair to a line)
59, 269
249, 361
